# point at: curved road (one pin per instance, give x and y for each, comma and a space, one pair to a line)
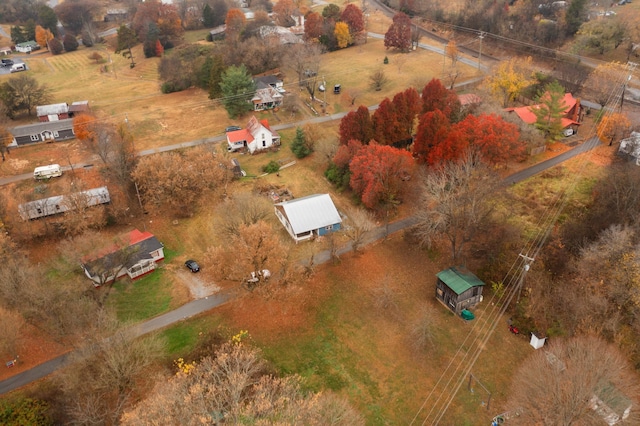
203, 305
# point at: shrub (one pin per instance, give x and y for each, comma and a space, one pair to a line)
386, 60
55, 47
70, 43
272, 167
338, 176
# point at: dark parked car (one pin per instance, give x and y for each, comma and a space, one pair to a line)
192, 265
6, 62
232, 129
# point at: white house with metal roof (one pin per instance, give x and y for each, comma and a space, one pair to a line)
306, 217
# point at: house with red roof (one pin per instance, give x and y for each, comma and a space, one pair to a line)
570, 113
256, 137
135, 255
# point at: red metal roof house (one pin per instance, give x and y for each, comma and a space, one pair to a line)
257, 136
138, 257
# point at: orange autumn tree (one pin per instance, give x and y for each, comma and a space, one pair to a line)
84, 127
614, 126
377, 173
43, 36
343, 36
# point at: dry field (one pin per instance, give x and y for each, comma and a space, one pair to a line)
119, 93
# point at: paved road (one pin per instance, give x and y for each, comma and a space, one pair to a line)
203, 305
186, 311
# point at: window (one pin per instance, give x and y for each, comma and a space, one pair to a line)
440, 292
264, 144
476, 291
328, 228
55, 134
35, 138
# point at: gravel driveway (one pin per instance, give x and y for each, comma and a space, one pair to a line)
197, 286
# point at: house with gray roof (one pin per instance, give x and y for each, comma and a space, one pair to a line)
308, 217
48, 131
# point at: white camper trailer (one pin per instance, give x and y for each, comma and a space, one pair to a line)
46, 172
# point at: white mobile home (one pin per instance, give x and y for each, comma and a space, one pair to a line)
46, 172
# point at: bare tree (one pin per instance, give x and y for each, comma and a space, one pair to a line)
378, 80
305, 61
106, 268
582, 380
102, 380
356, 226
244, 209
351, 95
11, 324
422, 330
179, 180
232, 384
457, 202
253, 248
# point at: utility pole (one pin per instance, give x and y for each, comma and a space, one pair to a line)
527, 266
632, 67
480, 54
444, 58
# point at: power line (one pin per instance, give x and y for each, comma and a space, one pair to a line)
484, 330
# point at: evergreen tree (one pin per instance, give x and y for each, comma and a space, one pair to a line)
549, 111
237, 89
18, 35
47, 18
149, 46
299, 146
577, 14
208, 17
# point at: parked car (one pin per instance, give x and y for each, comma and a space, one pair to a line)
568, 132
192, 265
232, 129
6, 62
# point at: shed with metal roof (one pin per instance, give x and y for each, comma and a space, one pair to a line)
308, 217
458, 288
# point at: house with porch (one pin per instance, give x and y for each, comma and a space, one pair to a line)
138, 255
256, 136
571, 114
266, 97
308, 217
458, 288
48, 131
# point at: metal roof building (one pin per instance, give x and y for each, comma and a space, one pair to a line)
306, 217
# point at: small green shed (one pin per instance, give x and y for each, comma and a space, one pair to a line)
458, 288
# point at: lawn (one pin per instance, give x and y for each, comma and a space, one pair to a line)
145, 297
349, 329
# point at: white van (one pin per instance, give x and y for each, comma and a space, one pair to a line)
18, 67
47, 172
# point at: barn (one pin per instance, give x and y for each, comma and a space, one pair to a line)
458, 288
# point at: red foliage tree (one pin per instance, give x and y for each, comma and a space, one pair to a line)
235, 23
384, 119
497, 140
399, 33
159, 49
436, 96
354, 18
346, 152
356, 125
449, 149
406, 107
433, 128
377, 173
165, 16
313, 26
